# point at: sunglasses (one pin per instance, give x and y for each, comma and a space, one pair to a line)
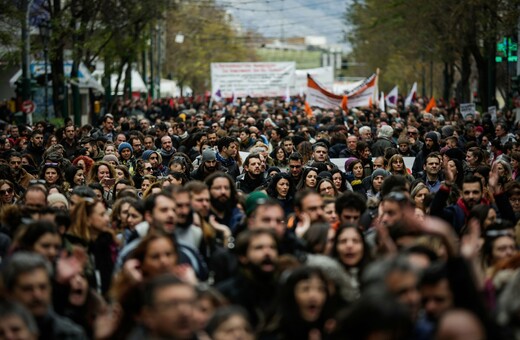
149, 168
6, 191
52, 164
295, 166
36, 181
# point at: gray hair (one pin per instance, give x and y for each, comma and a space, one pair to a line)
375, 274
11, 308
23, 262
364, 128
385, 131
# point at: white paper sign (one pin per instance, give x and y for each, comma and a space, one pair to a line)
492, 110
252, 79
466, 109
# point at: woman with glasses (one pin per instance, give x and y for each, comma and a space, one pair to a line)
309, 179
326, 188
7, 193
281, 189
280, 157
142, 169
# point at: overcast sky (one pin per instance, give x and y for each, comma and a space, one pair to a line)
272, 18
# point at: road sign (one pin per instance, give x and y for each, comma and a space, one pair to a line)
28, 107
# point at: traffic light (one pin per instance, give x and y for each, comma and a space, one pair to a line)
344, 63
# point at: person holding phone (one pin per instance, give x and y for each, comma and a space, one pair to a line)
104, 174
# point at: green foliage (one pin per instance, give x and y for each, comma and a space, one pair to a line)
208, 37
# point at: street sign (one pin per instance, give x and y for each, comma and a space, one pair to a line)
28, 107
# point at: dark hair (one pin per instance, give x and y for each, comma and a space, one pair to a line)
473, 179
33, 232
433, 274
351, 200
245, 237
225, 142
271, 188
149, 202
159, 282
394, 183
223, 314
366, 249
70, 172
295, 156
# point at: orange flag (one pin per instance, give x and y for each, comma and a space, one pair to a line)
430, 105
344, 103
308, 109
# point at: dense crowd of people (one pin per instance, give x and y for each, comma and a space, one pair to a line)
234, 221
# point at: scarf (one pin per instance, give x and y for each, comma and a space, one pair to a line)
226, 162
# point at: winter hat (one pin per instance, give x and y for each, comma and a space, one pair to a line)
403, 140
348, 162
447, 131
380, 172
209, 155
147, 154
433, 136
111, 158
123, 146
455, 153
57, 198
253, 200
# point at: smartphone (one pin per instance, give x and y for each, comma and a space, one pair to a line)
109, 181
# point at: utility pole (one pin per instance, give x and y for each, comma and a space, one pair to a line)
26, 50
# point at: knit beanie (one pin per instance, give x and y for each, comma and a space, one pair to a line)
208, 155
433, 136
57, 198
111, 158
123, 146
147, 154
380, 172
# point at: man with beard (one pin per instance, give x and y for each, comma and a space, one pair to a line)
137, 145
69, 141
160, 215
167, 150
472, 194
185, 230
431, 144
21, 176
227, 151
255, 285
253, 176
223, 198
208, 166
212, 138
92, 148
35, 147
27, 280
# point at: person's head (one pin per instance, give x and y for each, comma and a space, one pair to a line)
365, 133
356, 167
16, 322
41, 237
257, 250
460, 324
108, 122
35, 198
500, 129
74, 176
432, 165
120, 138
485, 214
471, 191
223, 194
280, 186
295, 164
166, 143
37, 139
378, 176
474, 156
137, 144
309, 178
125, 151
209, 160
349, 247
320, 152
7, 192
304, 296
392, 207
309, 202
499, 243
101, 170
168, 308
326, 188
160, 212
227, 147
200, 197
396, 165
230, 322
135, 213
265, 212
437, 297
504, 169
339, 179
288, 145
51, 173
419, 193
27, 280
156, 254
349, 207
89, 219
253, 165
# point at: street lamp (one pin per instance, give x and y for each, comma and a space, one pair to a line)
44, 33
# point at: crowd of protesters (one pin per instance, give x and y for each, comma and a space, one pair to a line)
185, 221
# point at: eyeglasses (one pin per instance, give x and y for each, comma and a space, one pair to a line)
149, 168
311, 168
396, 197
37, 181
153, 157
51, 164
413, 133
6, 191
295, 166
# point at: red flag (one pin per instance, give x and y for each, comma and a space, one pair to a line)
344, 103
430, 105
